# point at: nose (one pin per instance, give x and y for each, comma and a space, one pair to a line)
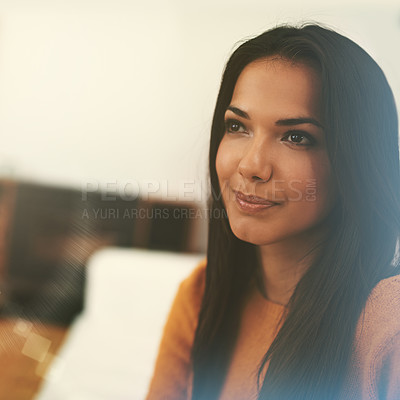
256, 163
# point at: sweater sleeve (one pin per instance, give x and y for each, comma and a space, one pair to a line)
172, 371
389, 380
376, 370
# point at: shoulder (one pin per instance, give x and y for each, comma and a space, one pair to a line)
187, 303
173, 366
376, 353
377, 339
382, 309
191, 289
195, 282
386, 291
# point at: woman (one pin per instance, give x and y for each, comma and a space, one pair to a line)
299, 298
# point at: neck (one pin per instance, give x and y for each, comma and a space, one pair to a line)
283, 265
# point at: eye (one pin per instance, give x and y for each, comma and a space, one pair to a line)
299, 138
234, 126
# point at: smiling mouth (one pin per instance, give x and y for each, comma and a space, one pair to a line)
250, 203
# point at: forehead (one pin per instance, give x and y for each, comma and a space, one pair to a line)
274, 82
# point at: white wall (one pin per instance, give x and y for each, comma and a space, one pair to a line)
122, 91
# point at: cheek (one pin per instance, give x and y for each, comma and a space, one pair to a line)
225, 162
319, 193
310, 185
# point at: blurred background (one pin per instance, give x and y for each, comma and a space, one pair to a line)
105, 112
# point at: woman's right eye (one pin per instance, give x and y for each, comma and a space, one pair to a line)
234, 126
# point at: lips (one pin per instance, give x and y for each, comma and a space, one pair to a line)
250, 203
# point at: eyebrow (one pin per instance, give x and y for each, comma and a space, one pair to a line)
280, 122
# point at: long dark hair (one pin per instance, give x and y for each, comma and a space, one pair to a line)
309, 361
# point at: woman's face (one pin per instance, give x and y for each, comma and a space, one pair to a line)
272, 162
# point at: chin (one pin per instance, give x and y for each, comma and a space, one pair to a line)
257, 237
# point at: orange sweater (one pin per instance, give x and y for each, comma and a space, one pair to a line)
375, 364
